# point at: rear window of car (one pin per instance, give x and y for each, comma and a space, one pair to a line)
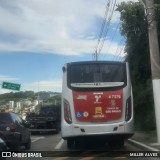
5, 118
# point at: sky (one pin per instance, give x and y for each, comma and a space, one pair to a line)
38, 36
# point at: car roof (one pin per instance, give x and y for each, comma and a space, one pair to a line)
5, 116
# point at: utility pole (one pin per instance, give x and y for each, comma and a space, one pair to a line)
38, 92
96, 56
155, 60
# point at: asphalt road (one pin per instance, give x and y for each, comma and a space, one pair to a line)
57, 148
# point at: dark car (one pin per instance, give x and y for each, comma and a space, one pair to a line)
14, 131
3, 146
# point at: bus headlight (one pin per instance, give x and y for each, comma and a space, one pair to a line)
128, 112
67, 112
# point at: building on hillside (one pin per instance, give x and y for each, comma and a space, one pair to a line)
35, 102
11, 105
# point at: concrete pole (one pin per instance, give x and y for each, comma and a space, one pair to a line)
155, 60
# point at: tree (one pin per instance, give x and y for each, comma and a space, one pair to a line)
134, 29
16, 96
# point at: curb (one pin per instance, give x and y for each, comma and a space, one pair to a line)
142, 145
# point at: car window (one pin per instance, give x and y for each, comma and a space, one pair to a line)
5, 118
13, 117
16, 119
19, 120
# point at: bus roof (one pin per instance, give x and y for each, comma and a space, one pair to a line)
95, 62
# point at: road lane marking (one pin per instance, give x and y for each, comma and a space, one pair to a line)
59, 145
94, 156
87, 158
143, 145
36, 139
61, 158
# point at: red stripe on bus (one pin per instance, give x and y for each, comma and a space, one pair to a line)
98, 106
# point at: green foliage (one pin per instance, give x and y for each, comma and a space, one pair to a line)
16, 96
135, 29
56, 100
144, 106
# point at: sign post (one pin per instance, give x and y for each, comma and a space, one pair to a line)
11, 86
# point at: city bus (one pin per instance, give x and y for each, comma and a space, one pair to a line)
97, 103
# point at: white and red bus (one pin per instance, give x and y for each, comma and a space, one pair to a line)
97, 102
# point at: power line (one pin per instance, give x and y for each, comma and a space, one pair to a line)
102, 28
118, 50
113, 37
105, 29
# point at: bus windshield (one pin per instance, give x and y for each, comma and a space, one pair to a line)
92, 73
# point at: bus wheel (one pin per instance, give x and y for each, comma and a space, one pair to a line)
70, 143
